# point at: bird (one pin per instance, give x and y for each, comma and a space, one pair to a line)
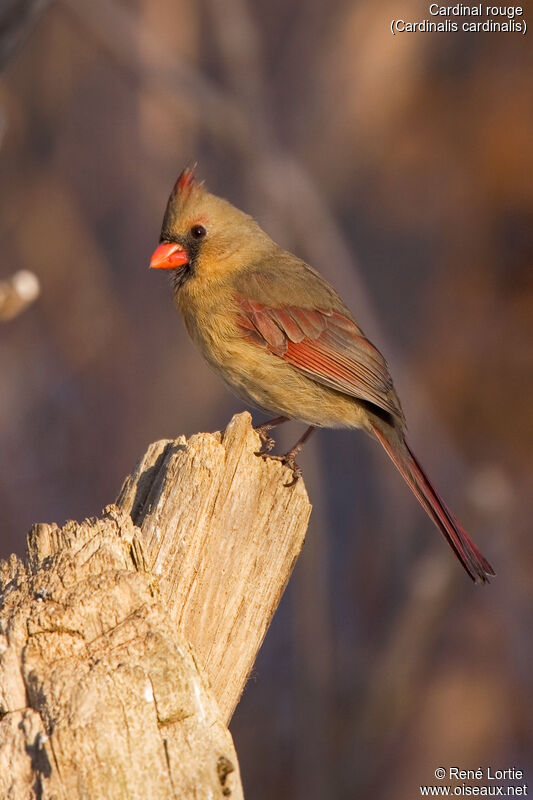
283, 340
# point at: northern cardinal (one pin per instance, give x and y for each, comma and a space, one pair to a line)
283, 340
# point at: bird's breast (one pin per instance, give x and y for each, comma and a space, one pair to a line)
258, 377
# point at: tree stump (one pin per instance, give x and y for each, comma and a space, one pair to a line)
126, 641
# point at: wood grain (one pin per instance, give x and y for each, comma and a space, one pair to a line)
124, 649
100, 694
232, 533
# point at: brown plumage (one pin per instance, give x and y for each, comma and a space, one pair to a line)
280, 336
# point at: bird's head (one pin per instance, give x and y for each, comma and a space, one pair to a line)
203, 235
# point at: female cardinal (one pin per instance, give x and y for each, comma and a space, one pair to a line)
283, 340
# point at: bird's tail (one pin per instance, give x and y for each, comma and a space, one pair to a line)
464, 548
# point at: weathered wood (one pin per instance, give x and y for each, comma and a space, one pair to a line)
223, 532
100, 694
106, 628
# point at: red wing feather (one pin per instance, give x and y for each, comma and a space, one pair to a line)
330, 348
325, 345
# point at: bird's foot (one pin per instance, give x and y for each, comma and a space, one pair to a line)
288, 460
268, 442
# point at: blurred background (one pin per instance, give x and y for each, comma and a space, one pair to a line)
402, 168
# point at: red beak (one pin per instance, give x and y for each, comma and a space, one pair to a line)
169, 256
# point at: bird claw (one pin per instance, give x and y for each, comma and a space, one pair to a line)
296, 474
267, 442
288, 461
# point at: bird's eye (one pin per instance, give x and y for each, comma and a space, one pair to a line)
198, 231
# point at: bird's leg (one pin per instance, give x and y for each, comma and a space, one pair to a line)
289, 458
267, 442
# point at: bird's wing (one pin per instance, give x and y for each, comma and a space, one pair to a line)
325, 345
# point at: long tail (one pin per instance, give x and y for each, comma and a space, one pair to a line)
464, 548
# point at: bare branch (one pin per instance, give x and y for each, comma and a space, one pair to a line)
17, 293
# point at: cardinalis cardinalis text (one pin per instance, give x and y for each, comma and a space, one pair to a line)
280, 336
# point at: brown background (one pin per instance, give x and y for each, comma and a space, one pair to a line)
402, 168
